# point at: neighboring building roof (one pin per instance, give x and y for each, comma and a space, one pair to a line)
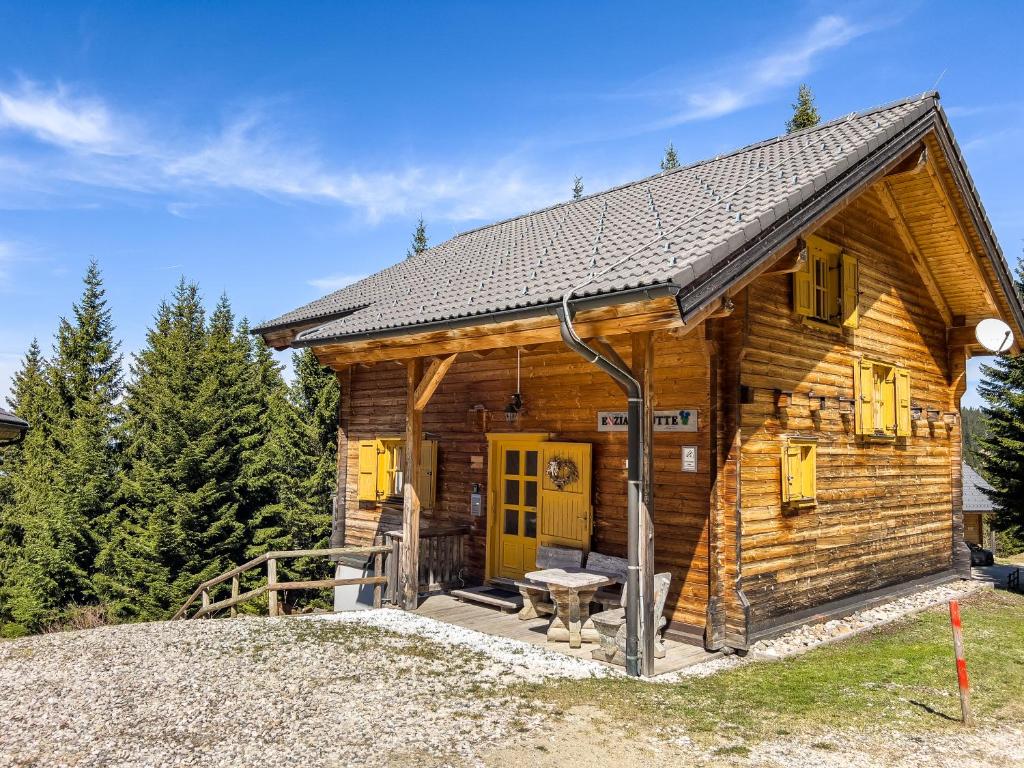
974, 499
695, 227
6, 417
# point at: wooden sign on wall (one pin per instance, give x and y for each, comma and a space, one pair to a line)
680, 420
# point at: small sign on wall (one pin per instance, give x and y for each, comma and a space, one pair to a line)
682, 420
689, 458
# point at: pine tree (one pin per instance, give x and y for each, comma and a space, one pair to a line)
671, 160
315, 396
805, 114
577, 188
88, 384
1002, 448
39, 543
419, 240
179, 504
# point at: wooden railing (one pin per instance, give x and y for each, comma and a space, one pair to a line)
273, 586
442, 558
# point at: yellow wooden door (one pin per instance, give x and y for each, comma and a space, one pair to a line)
566, 513
518, 492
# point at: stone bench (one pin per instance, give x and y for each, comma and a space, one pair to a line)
611, 626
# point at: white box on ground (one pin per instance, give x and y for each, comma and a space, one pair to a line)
354, 597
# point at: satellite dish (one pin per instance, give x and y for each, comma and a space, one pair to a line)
994, 335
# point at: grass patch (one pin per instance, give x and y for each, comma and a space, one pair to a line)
900, 675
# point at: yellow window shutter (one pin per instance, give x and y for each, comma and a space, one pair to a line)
808, 472
850, 289
367, 485
902, 402
803, 291
426, 483
864, 385
386, 455
790, 473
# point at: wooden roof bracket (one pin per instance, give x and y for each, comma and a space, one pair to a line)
903, 230
961, 231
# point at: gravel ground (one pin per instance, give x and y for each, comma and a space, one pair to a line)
810, 636
380, 688
251, 691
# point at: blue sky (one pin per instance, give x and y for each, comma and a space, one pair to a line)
275, 150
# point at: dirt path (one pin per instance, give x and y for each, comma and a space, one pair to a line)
596, 740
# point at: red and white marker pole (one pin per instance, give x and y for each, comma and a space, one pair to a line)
961, 663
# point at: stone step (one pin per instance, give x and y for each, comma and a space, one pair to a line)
495, 597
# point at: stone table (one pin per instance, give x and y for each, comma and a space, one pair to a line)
571, 590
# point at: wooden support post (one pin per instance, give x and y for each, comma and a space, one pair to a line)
206, 601
410, 567
718, 384
235, 584
961, 663
643, 371
339, 509
272, 604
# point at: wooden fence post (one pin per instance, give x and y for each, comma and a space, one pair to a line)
961, 663
378, 569
206, 600
234, 593
272, 605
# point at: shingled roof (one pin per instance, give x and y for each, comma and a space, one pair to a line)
974, 486
694, 227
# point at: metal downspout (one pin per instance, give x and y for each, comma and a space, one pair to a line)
634, 396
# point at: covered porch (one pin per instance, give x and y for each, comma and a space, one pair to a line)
443, 607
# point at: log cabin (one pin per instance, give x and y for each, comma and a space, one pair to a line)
745, 372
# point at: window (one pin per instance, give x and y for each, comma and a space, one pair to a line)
825, 290
382, 470
882, 395
799, 483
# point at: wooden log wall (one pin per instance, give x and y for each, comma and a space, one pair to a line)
562, 395
884, 511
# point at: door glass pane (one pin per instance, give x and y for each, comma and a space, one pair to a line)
512, 522
530, 525
511, 491
511, 462
530, 493
531, 464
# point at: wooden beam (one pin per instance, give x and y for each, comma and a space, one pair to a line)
948, 203
643, 371
431, 380
911, 166
410, 565
608, 321
962, 336
906, 236
605, 348
793, 261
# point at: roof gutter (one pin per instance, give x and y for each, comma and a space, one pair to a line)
549, 309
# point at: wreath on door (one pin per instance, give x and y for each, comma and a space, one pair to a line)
562, 471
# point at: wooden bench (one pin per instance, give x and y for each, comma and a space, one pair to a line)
611, 626
615, 567
536, 599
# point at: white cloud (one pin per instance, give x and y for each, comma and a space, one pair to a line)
331, 283
8, 254
754, 81
57, 117
248, 154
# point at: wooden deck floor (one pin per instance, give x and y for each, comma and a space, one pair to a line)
491, 621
